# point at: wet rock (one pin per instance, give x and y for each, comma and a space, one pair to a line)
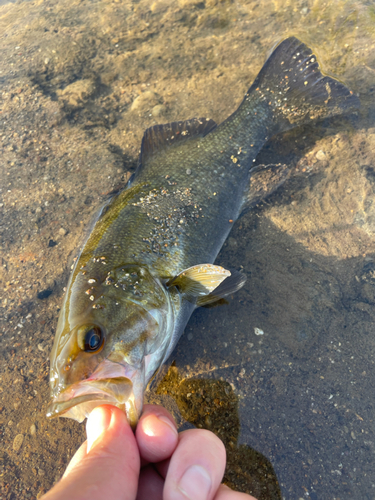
189, 3
232, 242
44, 294
145, 101
110, 77
17, 443
368, 293
159, 6
77, 92
158, 110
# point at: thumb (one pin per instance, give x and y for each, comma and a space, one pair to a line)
107, 464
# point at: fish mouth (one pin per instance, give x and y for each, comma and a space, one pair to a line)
78, 400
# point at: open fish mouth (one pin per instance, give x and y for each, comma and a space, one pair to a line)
78, 400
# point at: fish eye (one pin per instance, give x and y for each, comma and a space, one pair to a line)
90, 338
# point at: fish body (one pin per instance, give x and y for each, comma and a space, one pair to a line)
148, 261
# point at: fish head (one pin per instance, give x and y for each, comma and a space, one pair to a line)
108, 347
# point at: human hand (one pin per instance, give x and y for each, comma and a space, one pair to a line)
155, 464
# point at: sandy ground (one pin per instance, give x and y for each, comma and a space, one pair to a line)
284, 372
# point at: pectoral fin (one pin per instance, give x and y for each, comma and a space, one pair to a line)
206, 283
230, 285
200, 280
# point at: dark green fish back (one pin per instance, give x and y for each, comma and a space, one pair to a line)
194, 178
212, 164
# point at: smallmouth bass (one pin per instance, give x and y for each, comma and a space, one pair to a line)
148, 261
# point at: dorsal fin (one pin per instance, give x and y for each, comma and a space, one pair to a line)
159, 137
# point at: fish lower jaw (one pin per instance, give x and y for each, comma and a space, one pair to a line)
78, 401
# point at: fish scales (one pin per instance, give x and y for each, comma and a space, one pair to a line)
148, 261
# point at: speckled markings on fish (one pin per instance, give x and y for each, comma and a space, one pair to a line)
148, 261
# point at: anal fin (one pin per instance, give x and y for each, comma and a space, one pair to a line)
264, 180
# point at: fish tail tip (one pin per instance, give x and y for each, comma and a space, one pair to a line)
292, 85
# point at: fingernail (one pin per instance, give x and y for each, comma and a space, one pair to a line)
195, 484
168, 422
97, 423
155, 425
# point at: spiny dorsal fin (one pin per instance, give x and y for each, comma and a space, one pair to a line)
199, 281
159, 137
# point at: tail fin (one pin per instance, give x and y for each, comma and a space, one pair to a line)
292, 85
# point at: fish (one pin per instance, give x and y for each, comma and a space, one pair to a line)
148, 260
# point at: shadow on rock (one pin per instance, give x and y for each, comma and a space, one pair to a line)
212, 405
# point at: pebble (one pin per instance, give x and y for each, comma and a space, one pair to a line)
208, 421
40, 347
190, 336
232, 242
158, 110
62, 231
146, 99
352, 434
33, 429
77, 92
258, 331
44, 294
17, 443
320, 155
17, 405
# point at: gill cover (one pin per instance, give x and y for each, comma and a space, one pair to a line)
104, 347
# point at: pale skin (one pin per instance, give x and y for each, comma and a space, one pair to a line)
155, 463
